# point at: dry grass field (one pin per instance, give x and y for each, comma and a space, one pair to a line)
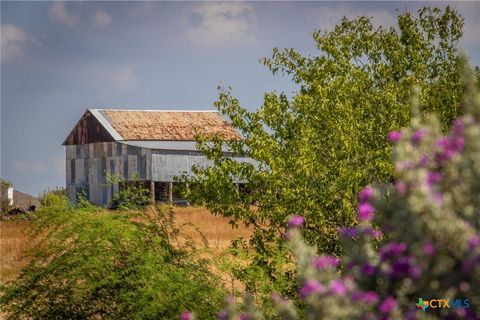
13, 243
14, 238
217, 231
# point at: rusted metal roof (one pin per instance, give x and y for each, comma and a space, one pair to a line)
160, 125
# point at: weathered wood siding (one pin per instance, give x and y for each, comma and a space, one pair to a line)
88, 130
88, 164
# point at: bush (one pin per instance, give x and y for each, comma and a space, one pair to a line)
92, 263
418, 240
55, 197
132, 194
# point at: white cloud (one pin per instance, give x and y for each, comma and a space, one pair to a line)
102, 18
83, 17
59, 12
25, 167
221, 23
14, 41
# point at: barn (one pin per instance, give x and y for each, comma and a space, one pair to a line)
154, 145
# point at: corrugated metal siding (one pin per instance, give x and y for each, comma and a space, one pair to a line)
166, 166
87, 165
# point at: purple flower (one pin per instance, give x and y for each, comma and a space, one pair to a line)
428, 248
388, 305
223, 315
433, 178
311, 287
338, 287
401, 187
349, 231
474, 241
449, 146
457, 144
418, 135
458, 126
368, 269
244, 316
296, 221
323, 262
394, 136
392, 249
365, 194
424, 161
370, 297
365, 212
186, 316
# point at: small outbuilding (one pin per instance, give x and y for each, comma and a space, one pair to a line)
154, 145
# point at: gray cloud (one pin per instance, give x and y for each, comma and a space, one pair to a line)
58, 12
78, 19
222, 23
14, 42
101, 18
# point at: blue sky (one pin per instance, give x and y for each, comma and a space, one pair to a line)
57, 58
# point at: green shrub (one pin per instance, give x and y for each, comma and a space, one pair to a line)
56, 197
91, 263
132, 194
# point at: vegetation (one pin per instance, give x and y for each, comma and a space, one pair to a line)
92, 263
4, 201
315, 151
428, 236
357, 252
132, 194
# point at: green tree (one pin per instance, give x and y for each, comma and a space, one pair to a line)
315, 151
90, 263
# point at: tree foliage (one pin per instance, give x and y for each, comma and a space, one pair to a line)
90, 263
416, 251
315, 151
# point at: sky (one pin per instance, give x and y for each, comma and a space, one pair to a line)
58, 58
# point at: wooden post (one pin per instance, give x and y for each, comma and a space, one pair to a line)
152, 191
170, 192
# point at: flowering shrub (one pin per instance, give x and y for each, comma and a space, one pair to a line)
415, 253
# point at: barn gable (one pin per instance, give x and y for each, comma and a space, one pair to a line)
89, 129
